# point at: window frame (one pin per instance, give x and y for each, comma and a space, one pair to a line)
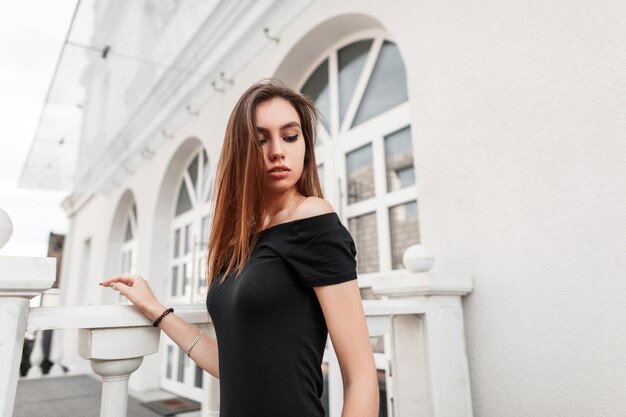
332, 148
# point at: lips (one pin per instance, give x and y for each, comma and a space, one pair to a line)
279, 168
278, 172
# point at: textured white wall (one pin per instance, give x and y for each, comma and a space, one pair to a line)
518, 121
519, 127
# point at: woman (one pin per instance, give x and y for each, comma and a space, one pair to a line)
281, 270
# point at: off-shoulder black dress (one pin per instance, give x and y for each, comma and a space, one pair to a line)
270, 328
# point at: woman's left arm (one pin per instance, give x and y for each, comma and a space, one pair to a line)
345, 319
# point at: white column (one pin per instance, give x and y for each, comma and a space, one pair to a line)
21, 279
431, 374
409, 368
114, 354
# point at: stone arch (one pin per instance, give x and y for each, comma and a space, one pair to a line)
314, 43
163, 210
115, 240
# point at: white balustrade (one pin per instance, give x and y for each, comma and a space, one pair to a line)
21, 279
419, 314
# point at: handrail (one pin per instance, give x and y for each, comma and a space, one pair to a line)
106, 316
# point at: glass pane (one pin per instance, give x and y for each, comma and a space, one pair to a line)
193, 171
187, 238
399, 158
316, 87
204, 231
210, 189
174, 291
202, 279
360, 174
365, 234
170, 359
198, 377
320, 174
185, 280
382, 393
129, 232
404, 229
180, 375
205, 166
176, 243
351, 60
386, 87
184, 202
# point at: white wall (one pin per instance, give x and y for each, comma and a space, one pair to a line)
518, 121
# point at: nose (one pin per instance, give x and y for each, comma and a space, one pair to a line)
276, 150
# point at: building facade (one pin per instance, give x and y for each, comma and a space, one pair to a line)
454, 125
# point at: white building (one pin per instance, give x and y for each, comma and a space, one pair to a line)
490, 132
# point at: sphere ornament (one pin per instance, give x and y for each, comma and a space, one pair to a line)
418, 258
6, 228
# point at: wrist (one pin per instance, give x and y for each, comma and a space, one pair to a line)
155, 311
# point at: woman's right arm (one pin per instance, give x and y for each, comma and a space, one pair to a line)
138, 292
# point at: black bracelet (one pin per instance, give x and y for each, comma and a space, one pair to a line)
165, 313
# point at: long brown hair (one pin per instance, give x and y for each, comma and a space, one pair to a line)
237, 194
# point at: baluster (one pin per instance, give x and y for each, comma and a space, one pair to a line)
115, 353
36, 357
115, 374
56, 353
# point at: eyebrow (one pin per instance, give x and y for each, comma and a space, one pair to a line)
283, 127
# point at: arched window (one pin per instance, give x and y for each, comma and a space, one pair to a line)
186, 278
128, 261
364, 149
189, 230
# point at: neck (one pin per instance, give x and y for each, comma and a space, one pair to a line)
282, 201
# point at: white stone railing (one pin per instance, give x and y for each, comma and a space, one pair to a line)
420, 314
115, 339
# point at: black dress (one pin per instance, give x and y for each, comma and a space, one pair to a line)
270, 328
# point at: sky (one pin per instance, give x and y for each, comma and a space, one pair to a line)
31, 38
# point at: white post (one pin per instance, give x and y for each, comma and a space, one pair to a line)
115, 353
429, 350
409, 368
21, 279
115, 374
211, 402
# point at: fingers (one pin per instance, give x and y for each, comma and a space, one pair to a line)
125, 279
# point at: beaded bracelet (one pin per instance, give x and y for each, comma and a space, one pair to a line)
165, 313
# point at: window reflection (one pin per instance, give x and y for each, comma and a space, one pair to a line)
360, 174
350, 60
364, 231
387, 85
399, 160
316, 88
404, 229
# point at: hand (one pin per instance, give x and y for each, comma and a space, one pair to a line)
136, 289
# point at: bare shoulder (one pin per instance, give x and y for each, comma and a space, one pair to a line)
312, 206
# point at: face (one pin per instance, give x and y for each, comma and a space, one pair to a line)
280, 136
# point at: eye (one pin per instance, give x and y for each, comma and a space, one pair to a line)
291, 138
261, 141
